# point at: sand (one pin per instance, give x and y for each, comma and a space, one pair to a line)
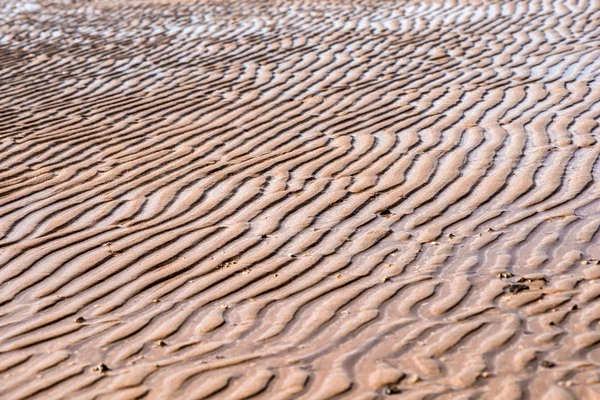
299, 199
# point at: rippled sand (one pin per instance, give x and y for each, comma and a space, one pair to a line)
299, 199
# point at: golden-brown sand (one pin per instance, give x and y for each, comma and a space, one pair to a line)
309, 199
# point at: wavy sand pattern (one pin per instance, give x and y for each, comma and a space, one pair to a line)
300, 199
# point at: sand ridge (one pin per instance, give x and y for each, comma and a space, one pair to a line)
299, 199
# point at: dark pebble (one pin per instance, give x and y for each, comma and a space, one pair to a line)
548, 364
101, 368
516, 288
505, 275
392, 390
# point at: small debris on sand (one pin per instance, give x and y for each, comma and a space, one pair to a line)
101, 368
547, 364
505, 275
392, 390
516, 288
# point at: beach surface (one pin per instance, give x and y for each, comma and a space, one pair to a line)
351, 199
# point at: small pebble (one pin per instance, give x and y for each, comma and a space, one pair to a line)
505, 275
392, 390
101, 368
516, 288
547, 364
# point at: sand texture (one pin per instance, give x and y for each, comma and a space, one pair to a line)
351, 199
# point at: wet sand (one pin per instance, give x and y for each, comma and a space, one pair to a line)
300, 199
